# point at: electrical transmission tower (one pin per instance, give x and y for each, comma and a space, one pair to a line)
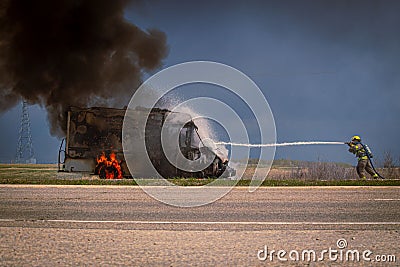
24, 147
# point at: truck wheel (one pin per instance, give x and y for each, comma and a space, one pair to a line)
102, 172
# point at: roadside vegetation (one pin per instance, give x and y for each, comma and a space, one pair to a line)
282, 173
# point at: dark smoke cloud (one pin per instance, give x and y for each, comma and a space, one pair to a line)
59, 53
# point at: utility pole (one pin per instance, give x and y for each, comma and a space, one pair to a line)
25, 152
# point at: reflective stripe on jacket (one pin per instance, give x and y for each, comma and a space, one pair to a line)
358, 150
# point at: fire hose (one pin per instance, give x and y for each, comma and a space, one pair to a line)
370, 160
366, 149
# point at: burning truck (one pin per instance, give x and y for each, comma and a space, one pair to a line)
93, 144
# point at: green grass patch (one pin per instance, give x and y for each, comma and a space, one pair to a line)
325, 183
47, 175
271, 183
69, 182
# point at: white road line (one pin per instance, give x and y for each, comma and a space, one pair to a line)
387, 199
204, 222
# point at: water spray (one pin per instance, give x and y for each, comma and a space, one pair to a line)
300, 144
281, 144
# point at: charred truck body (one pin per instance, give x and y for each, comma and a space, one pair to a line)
94, 145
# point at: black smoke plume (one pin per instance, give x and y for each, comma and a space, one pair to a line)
61, 53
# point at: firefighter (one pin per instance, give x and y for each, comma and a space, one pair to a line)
362, 152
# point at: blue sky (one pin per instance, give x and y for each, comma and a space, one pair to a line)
329, 69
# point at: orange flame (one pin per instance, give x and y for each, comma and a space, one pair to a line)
110, 169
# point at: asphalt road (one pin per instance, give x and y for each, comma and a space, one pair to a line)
96, 225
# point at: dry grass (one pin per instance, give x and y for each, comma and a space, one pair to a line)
26, 172
313, 171
310, 174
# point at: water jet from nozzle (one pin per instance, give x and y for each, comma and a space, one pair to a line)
281, 144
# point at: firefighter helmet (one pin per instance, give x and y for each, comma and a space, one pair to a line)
356, 138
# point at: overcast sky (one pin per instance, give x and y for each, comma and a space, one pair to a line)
329, 69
